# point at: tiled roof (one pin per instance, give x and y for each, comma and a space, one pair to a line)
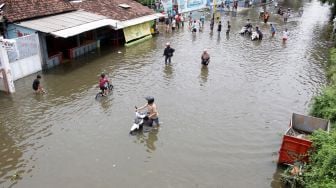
17, 10
111, 8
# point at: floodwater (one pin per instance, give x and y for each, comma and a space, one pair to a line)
220, 126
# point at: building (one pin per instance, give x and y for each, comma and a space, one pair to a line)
68, 29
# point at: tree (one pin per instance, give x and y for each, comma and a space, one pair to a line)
332, 3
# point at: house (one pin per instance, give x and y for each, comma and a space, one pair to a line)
133, 18
68, 29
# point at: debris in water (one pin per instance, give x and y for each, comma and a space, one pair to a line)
15, 176
119, 52
114, 165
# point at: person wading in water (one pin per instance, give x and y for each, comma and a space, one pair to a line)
168, 53
205, 58
37, 87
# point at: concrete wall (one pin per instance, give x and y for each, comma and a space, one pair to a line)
15, 31
24, 57
25, 67
2, 82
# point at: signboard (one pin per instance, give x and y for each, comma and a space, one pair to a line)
8, 44
20, 48
184, 5
137, 31
167, 5
195, 4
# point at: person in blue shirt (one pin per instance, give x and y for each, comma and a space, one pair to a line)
202, 19
272, 30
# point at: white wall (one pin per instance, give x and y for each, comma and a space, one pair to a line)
2, 85
25, 67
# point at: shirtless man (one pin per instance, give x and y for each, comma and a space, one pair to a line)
205, 58
37, 87
152, 113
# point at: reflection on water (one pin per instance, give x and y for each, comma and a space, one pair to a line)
204, 74
215, 118
168, 72
11, 155
148, 138
218, 37
276, 182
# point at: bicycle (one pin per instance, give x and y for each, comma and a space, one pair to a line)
100, 94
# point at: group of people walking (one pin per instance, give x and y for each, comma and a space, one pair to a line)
174, 22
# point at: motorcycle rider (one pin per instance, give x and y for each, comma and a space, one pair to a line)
260, 34
248, 23
104, 84
248, 27
152, 113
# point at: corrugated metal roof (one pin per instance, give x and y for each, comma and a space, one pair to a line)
65, 33
62, 21
73, 23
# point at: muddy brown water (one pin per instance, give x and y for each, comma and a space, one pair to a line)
221, 126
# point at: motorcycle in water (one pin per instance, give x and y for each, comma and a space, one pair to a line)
254, 36
139, 121
247, 29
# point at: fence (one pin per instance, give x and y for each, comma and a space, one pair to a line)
23, 55
54, 60
84, 49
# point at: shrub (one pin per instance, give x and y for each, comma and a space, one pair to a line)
331, 72
324, 105
321, 171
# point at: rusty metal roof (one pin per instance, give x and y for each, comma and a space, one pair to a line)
17, 10
111, 8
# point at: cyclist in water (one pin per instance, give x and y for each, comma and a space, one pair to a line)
104, 84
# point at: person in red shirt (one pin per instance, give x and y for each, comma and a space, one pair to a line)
103, 84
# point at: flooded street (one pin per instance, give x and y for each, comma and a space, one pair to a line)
220, 126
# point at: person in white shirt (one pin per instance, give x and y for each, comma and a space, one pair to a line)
194, 27
173, 24
182, 20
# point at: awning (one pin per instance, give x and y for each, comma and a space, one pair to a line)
69, 24
73, 23
139, 20
65, 33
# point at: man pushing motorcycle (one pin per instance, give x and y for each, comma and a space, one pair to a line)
152, 113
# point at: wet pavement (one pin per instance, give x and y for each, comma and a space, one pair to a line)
221, 125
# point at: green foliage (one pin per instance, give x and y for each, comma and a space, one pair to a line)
330, 2
332, 58
292, 181
321, 171
324, 105
146, 2
331, 72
